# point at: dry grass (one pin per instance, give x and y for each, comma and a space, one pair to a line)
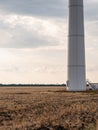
47, 109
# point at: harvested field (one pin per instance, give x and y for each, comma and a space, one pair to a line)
47, 109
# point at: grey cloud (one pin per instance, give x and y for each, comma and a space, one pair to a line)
28, 32
47, 8
9, 69
21, 38
92, 68
91, 9
50, 68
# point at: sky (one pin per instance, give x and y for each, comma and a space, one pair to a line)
33, 41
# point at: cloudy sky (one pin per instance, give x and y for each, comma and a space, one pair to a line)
33, 40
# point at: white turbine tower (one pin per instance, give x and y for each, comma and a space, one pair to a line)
76, 47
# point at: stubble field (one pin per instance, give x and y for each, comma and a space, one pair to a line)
47, 109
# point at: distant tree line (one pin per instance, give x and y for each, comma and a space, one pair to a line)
31, 85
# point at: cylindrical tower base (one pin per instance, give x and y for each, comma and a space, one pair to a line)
76, 48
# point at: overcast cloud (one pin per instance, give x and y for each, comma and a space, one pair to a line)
27, 32
51, 8
33, 40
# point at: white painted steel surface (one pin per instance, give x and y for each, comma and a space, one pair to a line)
76, 47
